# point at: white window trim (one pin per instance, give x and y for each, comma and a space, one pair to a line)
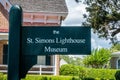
117, 62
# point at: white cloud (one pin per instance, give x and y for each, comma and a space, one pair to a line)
118, 36
75, 15
99, 42
94, 44
75, 18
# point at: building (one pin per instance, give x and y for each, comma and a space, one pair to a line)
35, 13
115, 60
62, 62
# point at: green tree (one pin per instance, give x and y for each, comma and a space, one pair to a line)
72, 60
115, 48
98, 58
104, 17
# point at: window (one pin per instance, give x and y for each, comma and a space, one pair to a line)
46, 60
118, 65
41, 60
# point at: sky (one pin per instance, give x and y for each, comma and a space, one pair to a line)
75, 18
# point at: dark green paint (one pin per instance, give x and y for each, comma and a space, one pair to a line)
14, 49
27, 61
47, 33
22, 56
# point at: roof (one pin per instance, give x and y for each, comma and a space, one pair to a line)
116, 54
58, 6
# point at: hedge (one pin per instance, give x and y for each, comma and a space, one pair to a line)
43, 77
69, 70
94, 74
38, 77
1, 76
117, 75
103, 74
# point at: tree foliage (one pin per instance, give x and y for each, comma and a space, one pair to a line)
115, 48
72, 60
98, 58
104, 17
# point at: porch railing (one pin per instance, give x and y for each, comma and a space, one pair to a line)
36, 69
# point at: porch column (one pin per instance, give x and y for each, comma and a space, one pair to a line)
57, 64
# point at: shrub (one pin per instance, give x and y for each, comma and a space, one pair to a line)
1, 76
101, 73
89, 79
41, 77
97, 74
82, 72
117, 75
69, 70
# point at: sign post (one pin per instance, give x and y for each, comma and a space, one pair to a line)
28, 42
14, 49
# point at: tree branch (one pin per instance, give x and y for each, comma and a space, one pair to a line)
116, 32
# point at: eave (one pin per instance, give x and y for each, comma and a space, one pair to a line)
116, 54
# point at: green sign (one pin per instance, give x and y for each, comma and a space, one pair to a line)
26, 43
56, 40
